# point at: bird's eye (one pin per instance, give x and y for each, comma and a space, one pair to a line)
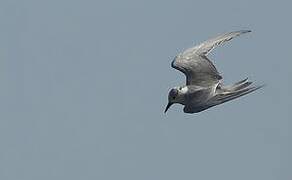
173, 93
180, 88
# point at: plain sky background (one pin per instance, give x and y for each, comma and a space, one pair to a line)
84, 85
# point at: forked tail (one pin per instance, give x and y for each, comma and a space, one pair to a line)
227, 93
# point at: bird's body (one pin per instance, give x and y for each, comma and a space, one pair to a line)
204, 87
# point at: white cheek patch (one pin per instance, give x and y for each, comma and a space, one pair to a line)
184, 90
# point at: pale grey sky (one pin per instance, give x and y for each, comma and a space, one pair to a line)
84, 85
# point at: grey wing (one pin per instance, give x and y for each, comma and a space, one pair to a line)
207, 46
199, 70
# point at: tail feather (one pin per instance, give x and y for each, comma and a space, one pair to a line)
236, 94
237, 86
242, 81
232, 92
241, 86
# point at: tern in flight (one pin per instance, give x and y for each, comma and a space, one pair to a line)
204, 87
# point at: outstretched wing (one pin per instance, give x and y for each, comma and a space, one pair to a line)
199, 70
207, 46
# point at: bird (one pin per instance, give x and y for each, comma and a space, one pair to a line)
204, 86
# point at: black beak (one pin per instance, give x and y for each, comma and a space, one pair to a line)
167, 107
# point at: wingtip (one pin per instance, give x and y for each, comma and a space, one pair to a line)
258, 87
245, 31
262, 86
239, 32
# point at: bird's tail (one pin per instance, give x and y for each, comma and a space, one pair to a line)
227, 93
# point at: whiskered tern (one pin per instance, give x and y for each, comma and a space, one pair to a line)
204, 87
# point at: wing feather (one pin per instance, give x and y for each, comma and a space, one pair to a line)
193, 62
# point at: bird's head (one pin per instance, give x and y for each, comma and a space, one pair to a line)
175, 96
